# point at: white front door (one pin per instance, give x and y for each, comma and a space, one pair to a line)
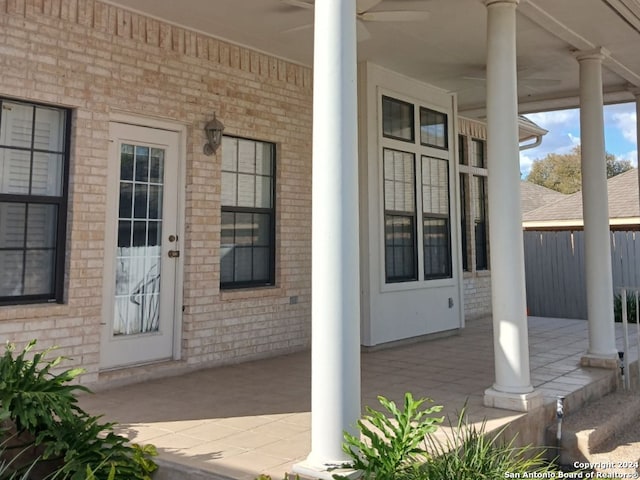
142, 246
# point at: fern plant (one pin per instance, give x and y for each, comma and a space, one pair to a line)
392, 443
31, 395
42, 406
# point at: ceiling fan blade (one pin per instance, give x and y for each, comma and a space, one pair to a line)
475, 78
394, 16
298, 3
362, 31
364, 5
540, 82
298, 29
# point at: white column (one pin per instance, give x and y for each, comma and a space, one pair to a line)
335, 357
512, 388
636, 94
602, 343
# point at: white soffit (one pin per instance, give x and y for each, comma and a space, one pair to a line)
446, 50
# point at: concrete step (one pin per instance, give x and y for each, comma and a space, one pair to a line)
586, 432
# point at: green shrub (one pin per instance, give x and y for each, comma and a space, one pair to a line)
42, 406
631, 307
469, 453
402, 446
391, 445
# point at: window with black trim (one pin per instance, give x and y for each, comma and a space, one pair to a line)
433, 128
248, 213
480, 221
416, 192
473, 197
397, 119
399, 216
435, 218
34, 166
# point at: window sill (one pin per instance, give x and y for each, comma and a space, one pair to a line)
476, 274
417, 285
243, 293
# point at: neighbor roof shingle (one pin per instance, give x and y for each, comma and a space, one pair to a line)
534, 196
623, 202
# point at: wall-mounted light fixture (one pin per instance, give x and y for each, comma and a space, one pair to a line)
213, 130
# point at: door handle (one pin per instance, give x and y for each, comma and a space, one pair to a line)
174, 253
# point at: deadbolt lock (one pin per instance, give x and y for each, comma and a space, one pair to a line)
173, 238
174, 253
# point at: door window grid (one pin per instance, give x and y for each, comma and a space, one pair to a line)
138, 258
248, 213
34, 146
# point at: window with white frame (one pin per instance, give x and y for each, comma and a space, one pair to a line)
473, 199
416, 192
248, 213
34, 165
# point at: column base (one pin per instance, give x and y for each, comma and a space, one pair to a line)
609, 362
520, 402
305, 469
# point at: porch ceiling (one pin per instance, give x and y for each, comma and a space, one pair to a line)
448, 49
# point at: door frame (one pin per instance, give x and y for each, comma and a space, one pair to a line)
181, 130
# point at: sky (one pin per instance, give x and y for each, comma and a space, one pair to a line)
564, 134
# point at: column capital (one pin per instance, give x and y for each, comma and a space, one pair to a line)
598, 53
489, 3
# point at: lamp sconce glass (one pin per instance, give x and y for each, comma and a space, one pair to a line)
213, 129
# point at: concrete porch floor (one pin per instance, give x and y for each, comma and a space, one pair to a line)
243, 420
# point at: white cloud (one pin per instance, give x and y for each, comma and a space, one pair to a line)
525, 164
626, 123
575, 140
631, 156
549, 120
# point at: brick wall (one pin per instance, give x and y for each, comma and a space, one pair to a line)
477, 295
96, 59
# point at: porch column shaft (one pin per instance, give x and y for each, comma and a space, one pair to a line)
335, 358
511, 344
597, 244
636, 93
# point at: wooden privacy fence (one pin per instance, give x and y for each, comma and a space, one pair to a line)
554, 266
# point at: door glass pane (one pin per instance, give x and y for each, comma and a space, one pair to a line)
156, 165
126, 162
138, 256
142, 164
